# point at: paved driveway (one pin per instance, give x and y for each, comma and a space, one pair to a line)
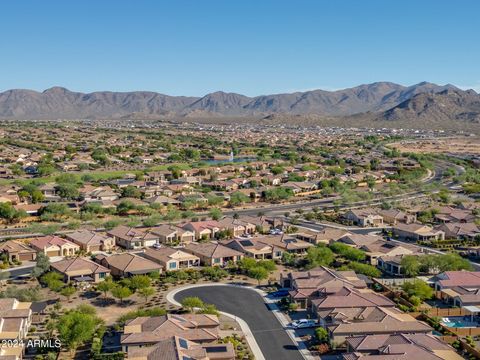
249, 305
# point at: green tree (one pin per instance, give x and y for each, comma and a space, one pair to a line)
121, 292
132, 192
45, 170
42, 265
246, 264
68, 291
55, 211
9, 213
137, 282
105, 286
322, 335
53, 280
154, 275
288, 259
76, 328
214, 200
37, 196
277, 170
146, 292
268, 265
125, 207
29, 294
410, 265
347, 251
67, 191
319, 256
452, 262
365, 269
258, 273
418, 288
214, 273
216, 214
190, 303
278, 194
238, 198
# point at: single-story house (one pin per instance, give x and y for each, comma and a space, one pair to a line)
146, 331
126, 265
460, 231
417, 232
91, 241
203, 229
253, 248
52, 245
172, 259
364, 217
213, 254
79, 269
132, 238
15, 250
169, 234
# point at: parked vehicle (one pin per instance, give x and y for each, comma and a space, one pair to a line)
276, 232
303, 323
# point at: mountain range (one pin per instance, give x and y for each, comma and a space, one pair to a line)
381, 101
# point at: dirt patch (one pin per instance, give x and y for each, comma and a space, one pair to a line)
452, 145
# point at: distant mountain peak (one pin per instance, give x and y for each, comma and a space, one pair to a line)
450, 104
56, 89
60, 103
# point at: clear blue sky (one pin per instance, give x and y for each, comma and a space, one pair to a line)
192, 47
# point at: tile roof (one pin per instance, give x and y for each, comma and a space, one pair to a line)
127, 262
77, 264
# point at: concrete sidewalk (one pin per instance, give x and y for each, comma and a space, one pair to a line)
302, 347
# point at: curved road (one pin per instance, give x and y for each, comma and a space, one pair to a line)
249, 305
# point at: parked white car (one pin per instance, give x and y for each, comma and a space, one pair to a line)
303, 323
276, 232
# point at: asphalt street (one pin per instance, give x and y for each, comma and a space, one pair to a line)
14, 273
249, 305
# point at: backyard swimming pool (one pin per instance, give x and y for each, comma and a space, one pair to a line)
460, 322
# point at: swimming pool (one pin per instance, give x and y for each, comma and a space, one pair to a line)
459, 322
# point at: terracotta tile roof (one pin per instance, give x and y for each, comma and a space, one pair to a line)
450, 279
46, 241
130, 233
87, 237
352, 299
76, 264
211, 250
165, 254
15, 246
194, 327
131, 263
401, 347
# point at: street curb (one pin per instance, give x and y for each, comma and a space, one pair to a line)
302, 348
252, 343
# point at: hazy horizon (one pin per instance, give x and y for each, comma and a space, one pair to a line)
193, 48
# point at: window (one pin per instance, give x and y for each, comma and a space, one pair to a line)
216, 261
102, 275
172, 265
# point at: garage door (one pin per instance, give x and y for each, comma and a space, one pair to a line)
53, 253
26, 257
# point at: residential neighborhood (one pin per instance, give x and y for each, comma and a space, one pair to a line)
234, 180
348, 254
